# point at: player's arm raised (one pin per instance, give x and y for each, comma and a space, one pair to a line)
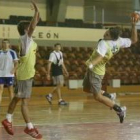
134, 36
35, 19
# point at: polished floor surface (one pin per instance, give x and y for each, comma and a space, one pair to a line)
82, 119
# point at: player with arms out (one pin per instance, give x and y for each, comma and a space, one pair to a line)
106, 48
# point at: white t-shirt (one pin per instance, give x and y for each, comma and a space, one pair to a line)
25, 44
53, 58
123, 42
7, 62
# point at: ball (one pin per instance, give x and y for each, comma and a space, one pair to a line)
136, 16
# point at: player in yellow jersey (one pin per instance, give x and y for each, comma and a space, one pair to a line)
106, 48
25, 73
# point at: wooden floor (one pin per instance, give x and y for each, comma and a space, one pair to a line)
82, 119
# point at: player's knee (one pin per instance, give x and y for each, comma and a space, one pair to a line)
86, 90
16, 99
59, 85
97, 97
1, 88
24, 102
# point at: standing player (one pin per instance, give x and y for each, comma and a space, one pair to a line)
8, 66
106, 48
56, 65
25, 74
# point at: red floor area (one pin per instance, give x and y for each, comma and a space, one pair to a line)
91, 131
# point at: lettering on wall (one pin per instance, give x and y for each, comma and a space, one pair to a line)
5, 32
48, 35
55, 33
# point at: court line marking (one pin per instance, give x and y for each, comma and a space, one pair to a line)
60, 124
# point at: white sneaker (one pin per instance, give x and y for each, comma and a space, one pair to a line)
124, 110
122, 114
49, 99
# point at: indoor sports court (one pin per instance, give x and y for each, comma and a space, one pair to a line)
64, 111
82, 119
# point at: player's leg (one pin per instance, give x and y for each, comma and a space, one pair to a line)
7, 123
121, 111
10, 83
54, 91
25, 94
1, 91
94, 84
60, 83
111, 96
30, 129
2, 82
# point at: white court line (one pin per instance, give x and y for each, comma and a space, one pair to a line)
66, 124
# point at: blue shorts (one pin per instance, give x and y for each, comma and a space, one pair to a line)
9, 81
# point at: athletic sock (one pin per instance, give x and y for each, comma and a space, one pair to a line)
50, 95
60, 100
107, 95
30, 125
117, 108
9, 117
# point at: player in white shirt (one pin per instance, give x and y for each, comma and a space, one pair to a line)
56, 66
8, 66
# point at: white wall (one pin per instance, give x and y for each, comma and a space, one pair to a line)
21, 8
48, 36
55, 33
75, 9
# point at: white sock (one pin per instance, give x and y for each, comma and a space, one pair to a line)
30, 125
50, 95
60, 100
9, 117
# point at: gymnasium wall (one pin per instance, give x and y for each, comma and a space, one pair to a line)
115, 11
21, 8
75, 9
49, 35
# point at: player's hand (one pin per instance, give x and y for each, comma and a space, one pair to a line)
133, 21
67, 74
34, 6
135, 17
48, 77
12, 71
90, 66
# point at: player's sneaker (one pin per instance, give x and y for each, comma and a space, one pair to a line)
49, 99
122, 114
62, 102
8, 127
33, 133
